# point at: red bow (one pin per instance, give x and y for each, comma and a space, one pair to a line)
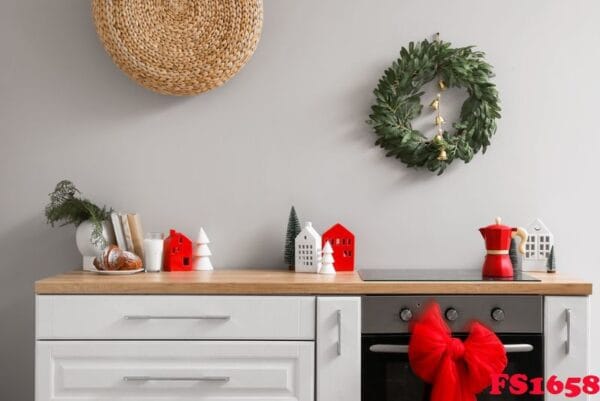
456, 370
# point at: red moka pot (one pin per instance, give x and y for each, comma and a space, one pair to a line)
497, 243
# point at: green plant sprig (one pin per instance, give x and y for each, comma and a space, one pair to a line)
68, 207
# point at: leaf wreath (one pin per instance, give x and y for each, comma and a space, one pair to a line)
398, 102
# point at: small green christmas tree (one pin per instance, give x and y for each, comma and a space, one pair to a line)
551, 262
293, 229
515, 258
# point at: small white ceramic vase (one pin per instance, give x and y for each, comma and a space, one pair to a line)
83, 238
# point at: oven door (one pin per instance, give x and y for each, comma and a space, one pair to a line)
387, 376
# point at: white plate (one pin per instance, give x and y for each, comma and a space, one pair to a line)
119, 272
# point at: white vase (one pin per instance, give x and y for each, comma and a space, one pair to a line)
83, 238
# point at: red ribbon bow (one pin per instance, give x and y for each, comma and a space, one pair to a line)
456, 370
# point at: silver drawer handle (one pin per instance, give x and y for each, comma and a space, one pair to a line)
339, 324
198, 317
568, 320
403, 349
214, 379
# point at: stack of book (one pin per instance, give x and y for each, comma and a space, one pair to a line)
128, 232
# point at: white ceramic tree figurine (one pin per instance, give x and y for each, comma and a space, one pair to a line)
202, 253
327, 266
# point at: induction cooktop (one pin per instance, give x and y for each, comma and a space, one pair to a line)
435, 275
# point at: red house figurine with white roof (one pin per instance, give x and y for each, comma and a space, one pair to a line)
177, 252
342, 242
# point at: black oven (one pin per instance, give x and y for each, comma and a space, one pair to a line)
386, 372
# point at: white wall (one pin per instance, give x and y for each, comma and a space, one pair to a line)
290, 129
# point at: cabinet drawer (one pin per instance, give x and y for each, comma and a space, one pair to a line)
174, 370
174, 317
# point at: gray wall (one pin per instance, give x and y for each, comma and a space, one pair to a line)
289, 129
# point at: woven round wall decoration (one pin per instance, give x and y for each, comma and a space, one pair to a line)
179, 47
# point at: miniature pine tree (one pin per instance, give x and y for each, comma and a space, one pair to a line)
293, 229
515, 258
327, 266
551, 262
202, 253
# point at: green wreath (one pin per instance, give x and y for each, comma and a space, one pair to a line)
398, 102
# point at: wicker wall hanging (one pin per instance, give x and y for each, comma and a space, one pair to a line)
179, 47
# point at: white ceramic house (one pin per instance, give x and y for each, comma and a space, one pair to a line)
539, 242
308, 250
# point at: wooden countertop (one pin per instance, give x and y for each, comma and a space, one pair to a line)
271, 282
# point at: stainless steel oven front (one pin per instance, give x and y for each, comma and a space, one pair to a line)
386, 372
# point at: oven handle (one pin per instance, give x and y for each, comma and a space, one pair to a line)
403, 349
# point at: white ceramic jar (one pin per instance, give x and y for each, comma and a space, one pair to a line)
89, 250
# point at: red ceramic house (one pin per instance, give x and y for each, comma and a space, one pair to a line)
177, 252
342, 242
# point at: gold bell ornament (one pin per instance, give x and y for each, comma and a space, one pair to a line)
435, 105
442, 85
442, 156
439, 120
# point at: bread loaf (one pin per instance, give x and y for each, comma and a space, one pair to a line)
114, 258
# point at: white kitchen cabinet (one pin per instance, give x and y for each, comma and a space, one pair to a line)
566, 329
175, 370
233, 347
338, 349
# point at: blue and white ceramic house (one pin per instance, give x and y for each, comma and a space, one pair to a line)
308, 250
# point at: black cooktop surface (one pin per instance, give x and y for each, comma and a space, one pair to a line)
435, 275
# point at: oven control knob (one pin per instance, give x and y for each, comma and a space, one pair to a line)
451, 314
405, 314
497, 314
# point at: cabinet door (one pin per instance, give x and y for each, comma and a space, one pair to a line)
566, 329
338, 349
174, 370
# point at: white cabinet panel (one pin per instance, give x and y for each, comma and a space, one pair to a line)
566, 329
174, 370
174, 317
338, 349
